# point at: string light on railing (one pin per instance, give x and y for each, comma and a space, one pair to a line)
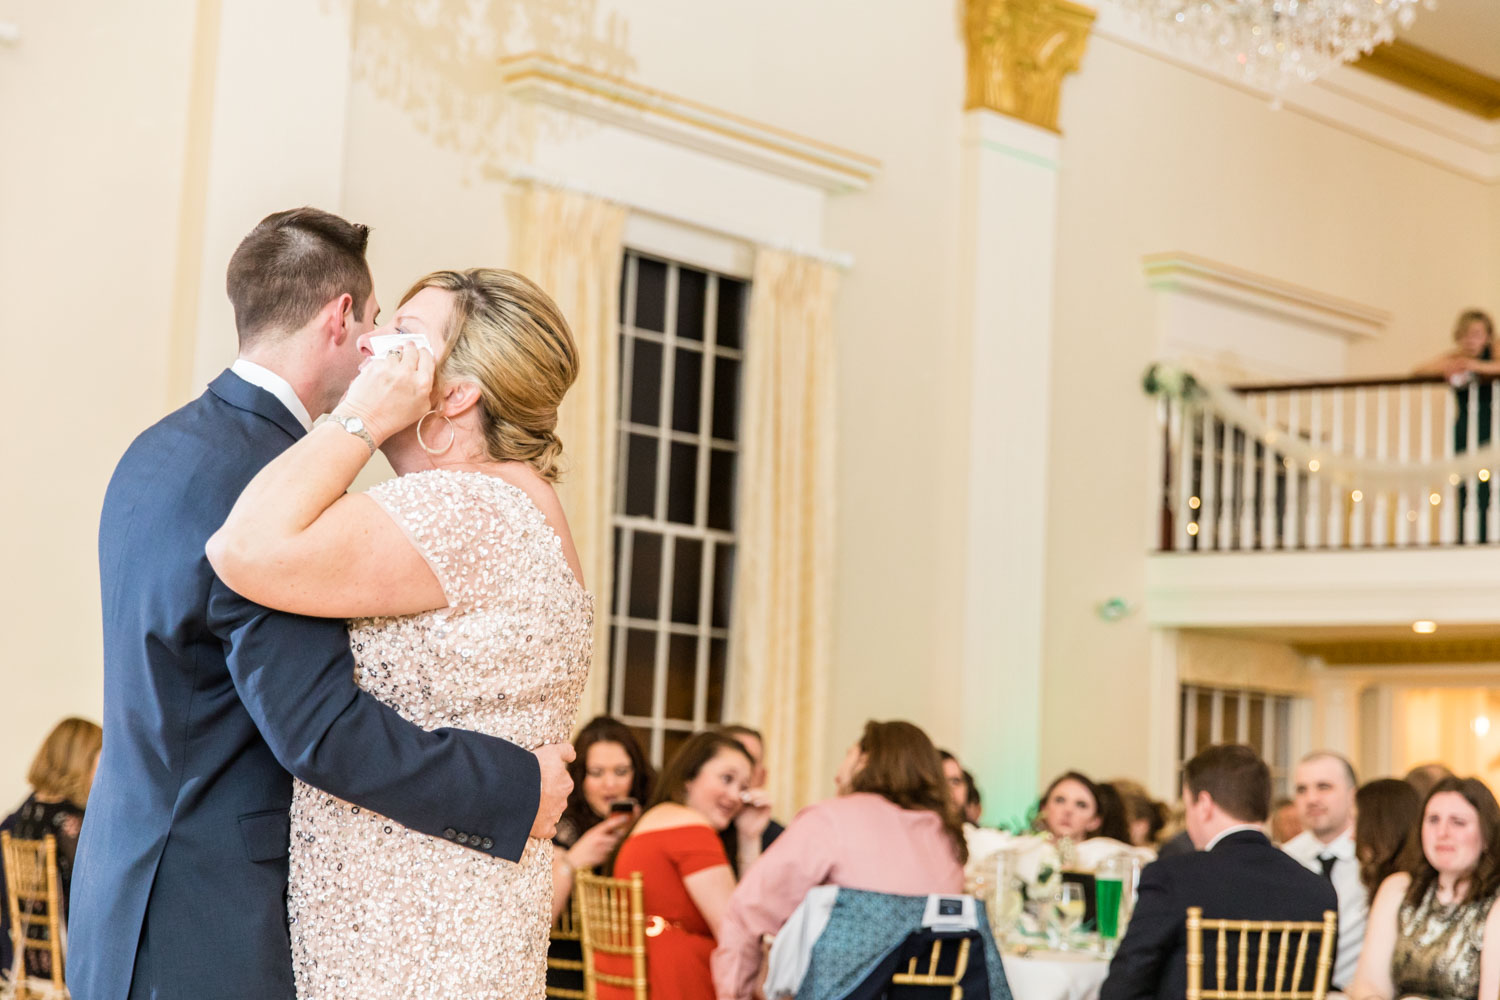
1314, 465
1192, 527
1356, 496
1484, 475
1411, 515
1453, 479
1424, 627
1194, 502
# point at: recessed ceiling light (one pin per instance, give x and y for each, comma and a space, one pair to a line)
1424, 627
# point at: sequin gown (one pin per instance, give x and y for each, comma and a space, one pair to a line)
380, 911
1437, 949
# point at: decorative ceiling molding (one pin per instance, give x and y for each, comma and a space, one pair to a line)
610, 99
1414, 650
1185, 272
1431, 75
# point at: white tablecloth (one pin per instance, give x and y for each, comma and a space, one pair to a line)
1055, 975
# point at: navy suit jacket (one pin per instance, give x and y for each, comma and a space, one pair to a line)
211, 705
1242, 878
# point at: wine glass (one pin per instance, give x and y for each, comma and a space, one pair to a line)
1067, 911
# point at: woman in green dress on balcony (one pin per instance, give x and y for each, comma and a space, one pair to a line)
1468, 363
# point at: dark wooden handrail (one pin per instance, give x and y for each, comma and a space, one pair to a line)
1352, 383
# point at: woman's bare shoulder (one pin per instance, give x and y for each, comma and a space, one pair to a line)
666, 816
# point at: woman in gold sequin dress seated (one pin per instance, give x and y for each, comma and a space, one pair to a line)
1435, 932
467, 610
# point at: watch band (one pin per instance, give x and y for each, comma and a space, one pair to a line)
353, 425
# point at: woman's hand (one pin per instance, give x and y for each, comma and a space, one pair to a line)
754, 816
391, 393
596, 844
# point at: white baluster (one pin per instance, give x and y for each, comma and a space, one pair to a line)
1470, 512
1403, 454
1269, 538
1357, 514
1186, 421
1208, 486
1419, 505
1248, 483
1448, 507
1492, 529
1313, 528
1380, 513
1293, 517
1336, 508
1226, 488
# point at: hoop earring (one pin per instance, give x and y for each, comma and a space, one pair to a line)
452, 433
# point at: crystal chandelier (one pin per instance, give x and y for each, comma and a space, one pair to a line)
1271, 42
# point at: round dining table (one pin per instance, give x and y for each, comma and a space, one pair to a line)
1055, 975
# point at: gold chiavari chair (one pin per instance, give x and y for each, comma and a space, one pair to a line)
34, 899
612, 915
1281, 986
567, 929
913, 977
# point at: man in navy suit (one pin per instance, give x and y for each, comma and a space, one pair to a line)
1235, 874
212, 703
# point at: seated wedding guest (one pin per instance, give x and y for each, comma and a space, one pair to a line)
1145, 818
609, 770
60, 777
893, 803
1424, 777
755, 746
1325, 786
1235, 873
1285, 823
675, 846
1387, 814
1434, 930
973, 802
1113, 821
953, 777
1070, 807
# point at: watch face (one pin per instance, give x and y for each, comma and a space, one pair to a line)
354, 425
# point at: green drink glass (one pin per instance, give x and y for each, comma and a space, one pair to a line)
1108, 893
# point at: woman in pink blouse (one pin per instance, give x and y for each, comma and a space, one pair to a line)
891, 829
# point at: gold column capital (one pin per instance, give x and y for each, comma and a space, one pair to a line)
1019, 52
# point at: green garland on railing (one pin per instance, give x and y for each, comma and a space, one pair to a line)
1175, 382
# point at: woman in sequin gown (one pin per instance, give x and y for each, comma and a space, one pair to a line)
467, 610
1435, 931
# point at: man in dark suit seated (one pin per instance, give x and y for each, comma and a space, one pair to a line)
1234, 874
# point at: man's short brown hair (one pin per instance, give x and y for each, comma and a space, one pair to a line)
1236, 779
291, 265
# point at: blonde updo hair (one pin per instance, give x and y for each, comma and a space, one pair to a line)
64, 766
509, 338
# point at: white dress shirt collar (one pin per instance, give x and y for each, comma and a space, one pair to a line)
262, 377
1230, 831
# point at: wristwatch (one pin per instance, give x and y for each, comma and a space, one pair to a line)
352, 424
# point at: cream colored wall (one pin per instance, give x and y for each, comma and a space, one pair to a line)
90, 195
1157, 158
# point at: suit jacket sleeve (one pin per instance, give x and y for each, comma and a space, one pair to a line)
295, 676
1150, 942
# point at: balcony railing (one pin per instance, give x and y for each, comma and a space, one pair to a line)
1361, 464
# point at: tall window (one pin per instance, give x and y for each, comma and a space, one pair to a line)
681, 338
1256, 718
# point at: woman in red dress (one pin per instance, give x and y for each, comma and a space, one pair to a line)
686, 875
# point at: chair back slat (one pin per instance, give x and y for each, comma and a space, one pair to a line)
911, 977
1244, 934
34, 899
566, 929
612, 919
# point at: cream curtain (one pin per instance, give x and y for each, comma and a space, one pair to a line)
781, 633
572, 246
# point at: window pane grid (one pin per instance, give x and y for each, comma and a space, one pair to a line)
680, 362
1220, 715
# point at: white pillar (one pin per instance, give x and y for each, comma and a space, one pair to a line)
268, 133
1009, 180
